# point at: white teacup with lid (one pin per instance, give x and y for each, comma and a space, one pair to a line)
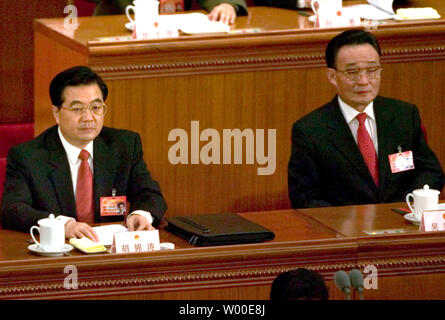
424, 199
52, 234
146, 17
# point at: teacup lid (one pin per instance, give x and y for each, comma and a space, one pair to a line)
426, 191
50, 221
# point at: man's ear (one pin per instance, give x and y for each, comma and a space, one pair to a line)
332, 76
56, 113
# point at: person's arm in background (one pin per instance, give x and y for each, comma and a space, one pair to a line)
288, 4
225, 11
220, 10
108, 7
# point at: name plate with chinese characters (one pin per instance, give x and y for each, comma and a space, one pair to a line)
432, 220
135, 241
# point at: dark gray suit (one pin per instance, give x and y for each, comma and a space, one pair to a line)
326, 167
38, 178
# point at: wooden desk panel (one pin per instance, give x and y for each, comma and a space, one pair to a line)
263, 80
352, 221
406, 259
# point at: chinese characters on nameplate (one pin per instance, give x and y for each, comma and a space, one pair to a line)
135, 241
432, 220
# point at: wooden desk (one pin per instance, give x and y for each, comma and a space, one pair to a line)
263, 80
410, 265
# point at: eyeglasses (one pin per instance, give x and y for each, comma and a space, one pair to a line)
97, 108
354, 74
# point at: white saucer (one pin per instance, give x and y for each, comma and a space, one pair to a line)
37, 249
129, 26
410, 218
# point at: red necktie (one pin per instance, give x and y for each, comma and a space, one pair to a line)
367, 149
84, 190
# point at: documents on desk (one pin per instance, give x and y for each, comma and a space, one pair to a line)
188, 23
87, 246
195, 23
383, 10
121, 240
105, 235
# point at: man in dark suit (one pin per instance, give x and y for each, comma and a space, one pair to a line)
43, 175
220, 10
340, 152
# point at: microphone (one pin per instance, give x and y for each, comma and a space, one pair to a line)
357, 281
342, 281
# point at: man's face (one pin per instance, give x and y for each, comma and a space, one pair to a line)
358, 92
79, 129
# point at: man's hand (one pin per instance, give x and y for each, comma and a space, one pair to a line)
223, 12
137, 222
74, 229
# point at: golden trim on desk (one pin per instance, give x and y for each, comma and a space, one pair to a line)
192, 278
254, 61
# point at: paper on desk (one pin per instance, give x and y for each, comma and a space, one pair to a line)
88, 246
190, 23
383, 10
369, 12
375, 10
417, 14
106, 233
193, 23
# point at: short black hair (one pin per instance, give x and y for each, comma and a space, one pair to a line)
75, 76
300, 284
349, 37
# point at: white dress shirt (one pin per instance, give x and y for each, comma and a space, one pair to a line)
350, 114
72, 153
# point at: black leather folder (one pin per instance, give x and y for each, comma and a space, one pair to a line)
217, 229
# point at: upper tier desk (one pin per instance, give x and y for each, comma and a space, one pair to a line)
410, 265
264, 80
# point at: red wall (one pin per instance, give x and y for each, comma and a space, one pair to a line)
16, 55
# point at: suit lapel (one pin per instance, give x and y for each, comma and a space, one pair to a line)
104, 172
60, 175
387, 140
341, 137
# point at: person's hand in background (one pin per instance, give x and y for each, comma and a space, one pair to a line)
223, 12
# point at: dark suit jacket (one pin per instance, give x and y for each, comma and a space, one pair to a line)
38, 178
106, 7
326, 167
